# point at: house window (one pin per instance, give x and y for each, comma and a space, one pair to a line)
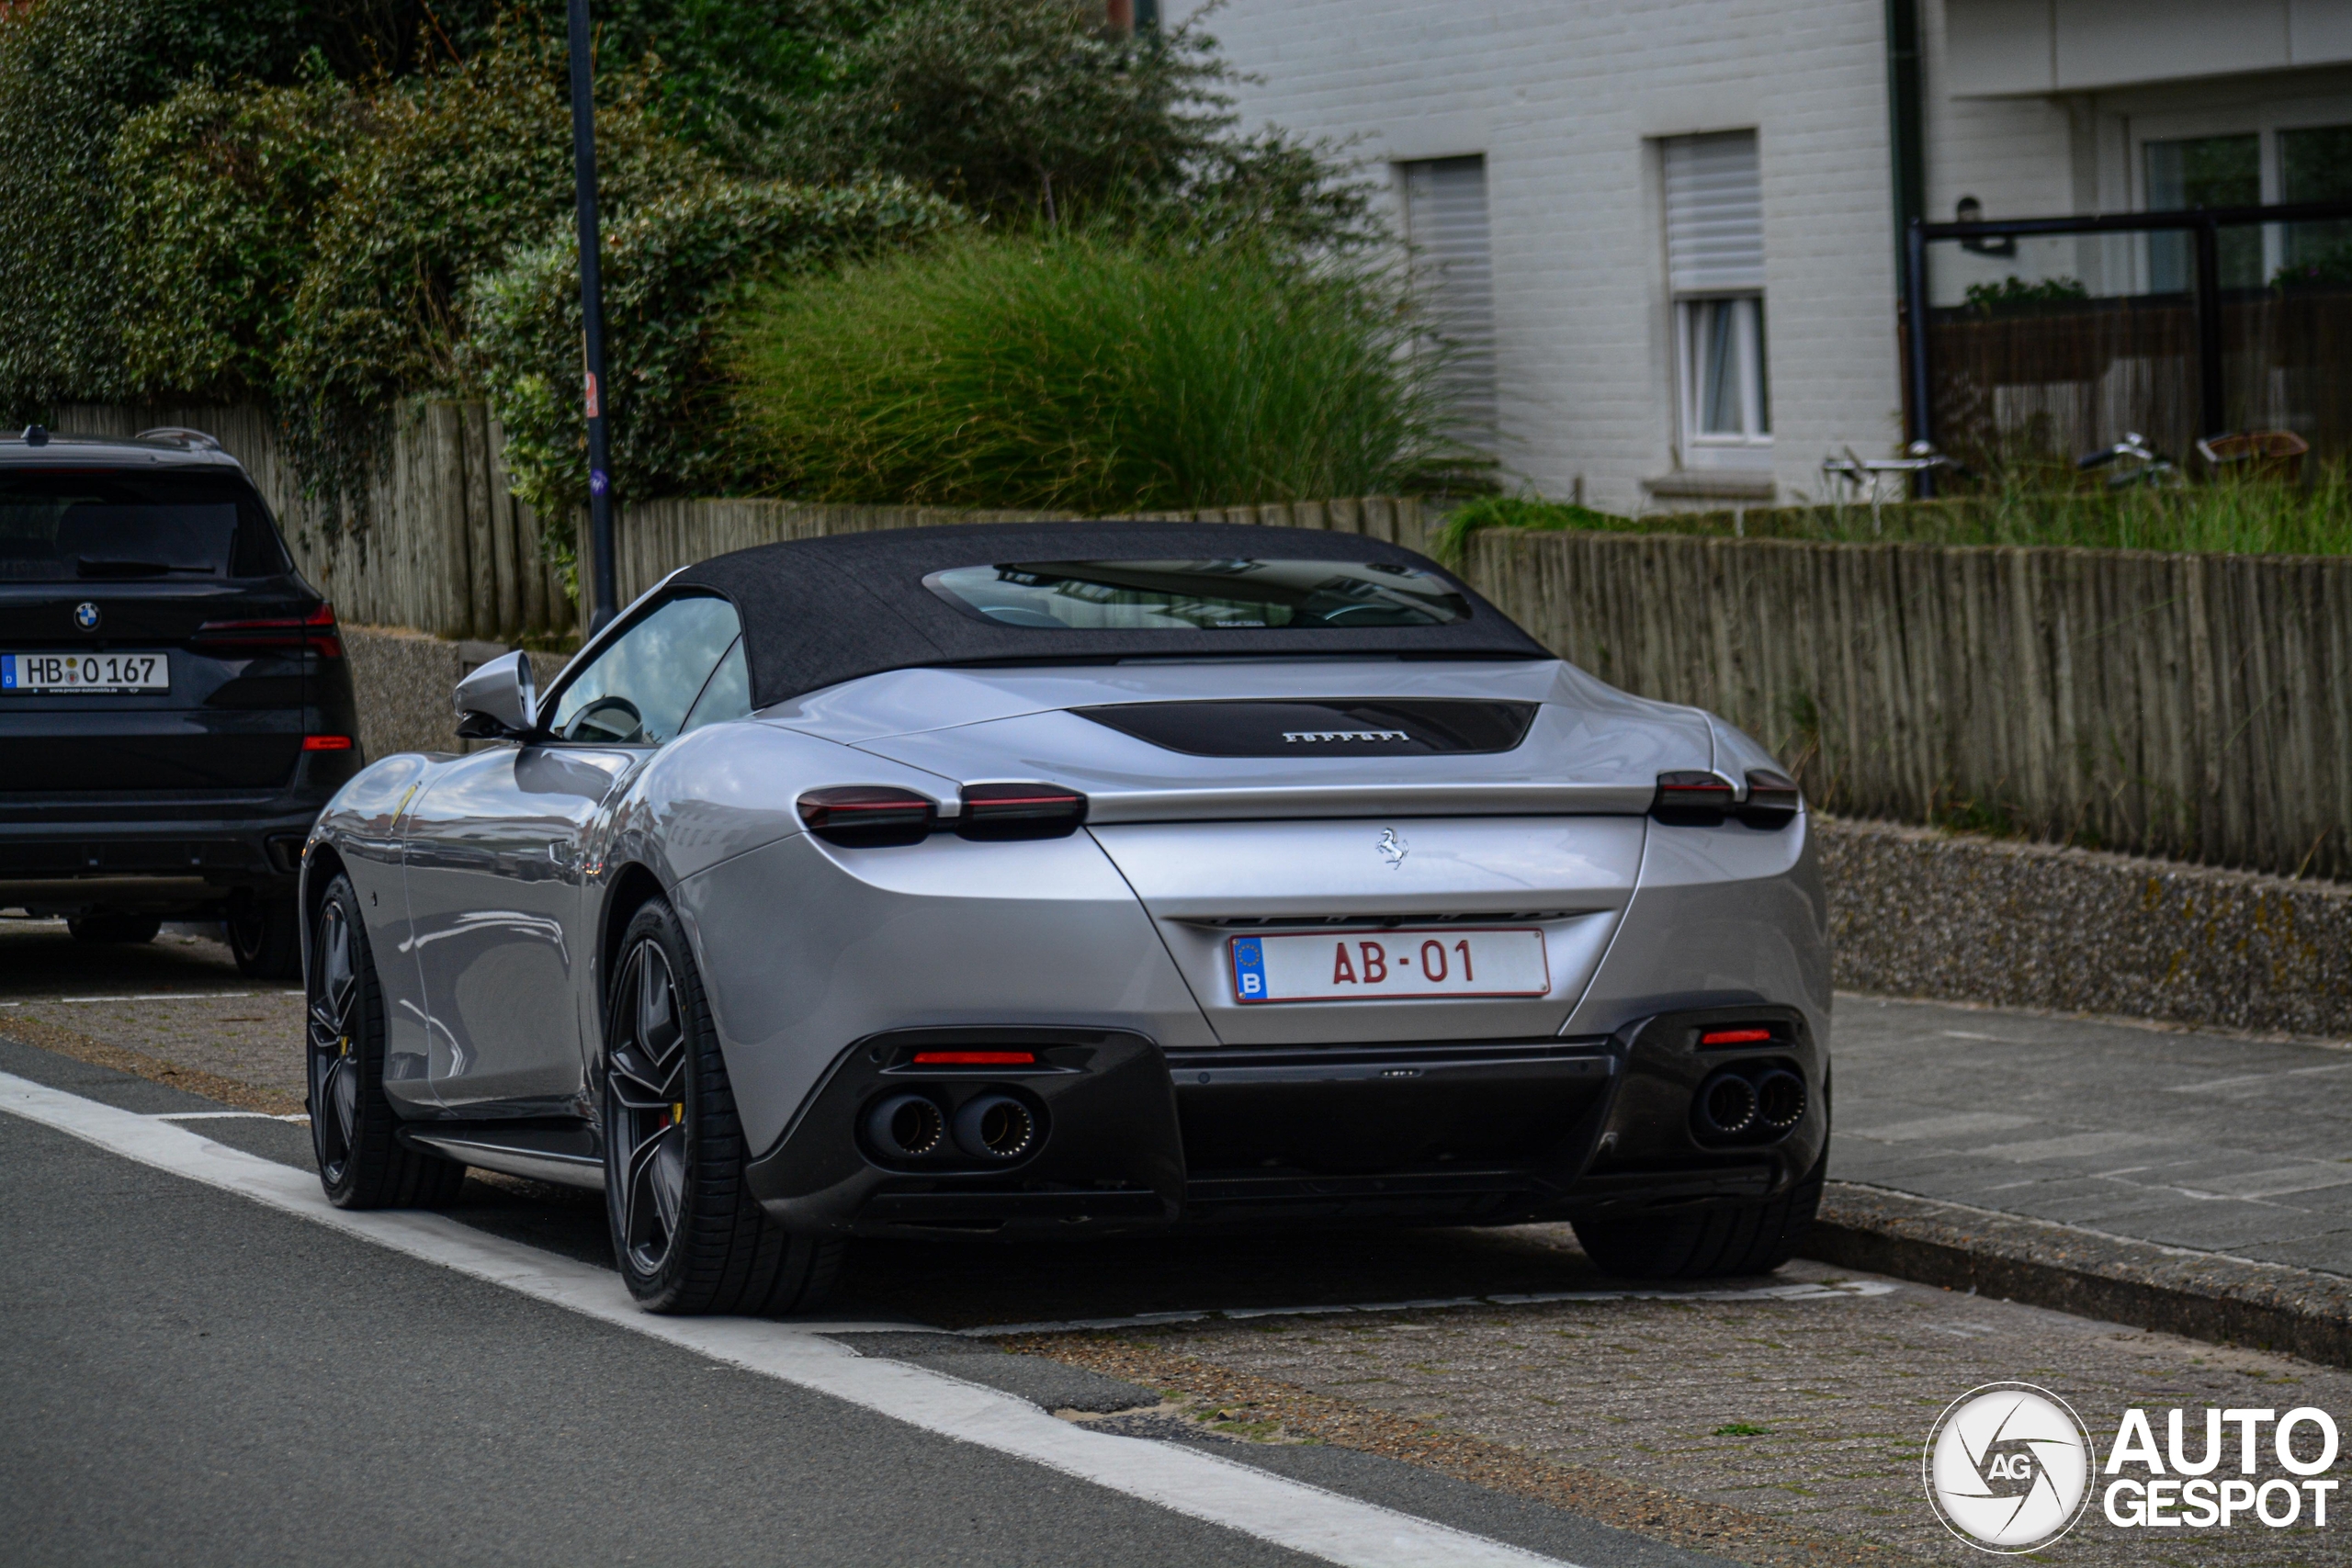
2189, 161
1714, 259
2315, 164
2204, 171
1445, 223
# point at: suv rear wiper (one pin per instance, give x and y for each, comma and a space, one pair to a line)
88, 566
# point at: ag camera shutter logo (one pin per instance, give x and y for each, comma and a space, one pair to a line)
2008, 1467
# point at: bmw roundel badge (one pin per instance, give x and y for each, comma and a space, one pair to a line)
85, 615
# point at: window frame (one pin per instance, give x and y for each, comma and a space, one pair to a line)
1690, 304
2267, 121
1751, 344
543, 718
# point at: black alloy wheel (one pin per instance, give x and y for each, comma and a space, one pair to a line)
646, 1109
361, 1164
686, 1232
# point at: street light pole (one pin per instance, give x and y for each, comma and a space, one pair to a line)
592, 313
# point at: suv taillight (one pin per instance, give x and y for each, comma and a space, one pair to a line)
315, 633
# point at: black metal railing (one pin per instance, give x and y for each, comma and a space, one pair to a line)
2203, 227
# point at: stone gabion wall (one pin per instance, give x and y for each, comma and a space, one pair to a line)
1918, 913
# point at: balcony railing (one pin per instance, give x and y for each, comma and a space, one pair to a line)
2048, 337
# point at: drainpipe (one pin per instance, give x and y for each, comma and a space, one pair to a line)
1907, 152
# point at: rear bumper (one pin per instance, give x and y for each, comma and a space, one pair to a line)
168, 863
1456, 1133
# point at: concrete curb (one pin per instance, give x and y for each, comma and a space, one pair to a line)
2201, 1295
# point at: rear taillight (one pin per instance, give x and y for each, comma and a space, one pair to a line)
326, 743
1692, 799
1696, 800
1772, 800
314, 633
1019, 811
867, 815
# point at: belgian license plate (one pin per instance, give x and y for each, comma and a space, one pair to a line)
1364, 967
28, 673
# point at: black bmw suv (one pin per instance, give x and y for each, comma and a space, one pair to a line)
174, 703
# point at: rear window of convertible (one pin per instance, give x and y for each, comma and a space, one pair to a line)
1200, 595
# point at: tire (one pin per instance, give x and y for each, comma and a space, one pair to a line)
687, 1234
1748, 1239
114, 928
266, 938
361, 1165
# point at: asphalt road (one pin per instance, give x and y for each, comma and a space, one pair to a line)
195, 1377
203, 1364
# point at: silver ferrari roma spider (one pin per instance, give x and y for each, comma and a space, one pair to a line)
1074, 878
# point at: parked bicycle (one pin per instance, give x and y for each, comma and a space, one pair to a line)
2133, 462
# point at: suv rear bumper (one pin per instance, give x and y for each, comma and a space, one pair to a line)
170, 864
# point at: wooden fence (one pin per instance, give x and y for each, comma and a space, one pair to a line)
2193, 706
442, 545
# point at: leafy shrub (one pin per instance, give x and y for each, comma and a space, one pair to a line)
70, 72
672, 267
2332, 268
1068, 371
2013, 295
217, 193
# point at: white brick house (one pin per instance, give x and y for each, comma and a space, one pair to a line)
1675, 222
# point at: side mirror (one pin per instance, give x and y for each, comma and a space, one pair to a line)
497, 702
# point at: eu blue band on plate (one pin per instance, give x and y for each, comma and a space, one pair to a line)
1248, 969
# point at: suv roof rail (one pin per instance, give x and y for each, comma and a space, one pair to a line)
179, 435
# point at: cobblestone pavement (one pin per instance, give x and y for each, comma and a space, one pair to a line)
177, 1001
1808, 1412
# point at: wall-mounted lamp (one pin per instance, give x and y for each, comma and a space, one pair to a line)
1972, 210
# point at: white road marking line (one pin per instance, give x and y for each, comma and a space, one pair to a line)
1843, 1290
251, 1115
1185, 1480
147, 997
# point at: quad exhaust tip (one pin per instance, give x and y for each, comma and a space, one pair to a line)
906, 1127
995, 1127
1727, 1104
1779, 1099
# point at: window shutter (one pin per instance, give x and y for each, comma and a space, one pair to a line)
1714, 213
1445, 218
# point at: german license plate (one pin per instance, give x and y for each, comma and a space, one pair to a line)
1364, 967
28, 673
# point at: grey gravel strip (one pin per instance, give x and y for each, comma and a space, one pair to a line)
2204, 1295
1846, 1290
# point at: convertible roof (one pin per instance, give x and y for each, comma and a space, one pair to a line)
818, 611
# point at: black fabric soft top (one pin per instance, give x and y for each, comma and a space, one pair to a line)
818, 611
